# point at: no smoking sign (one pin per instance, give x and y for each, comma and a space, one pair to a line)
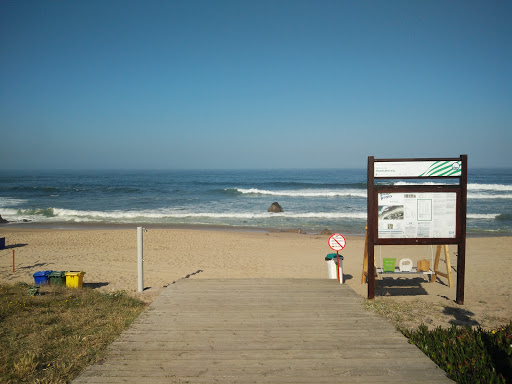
337, 242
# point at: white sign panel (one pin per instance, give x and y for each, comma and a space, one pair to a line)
399, 169
337, 242
417, 215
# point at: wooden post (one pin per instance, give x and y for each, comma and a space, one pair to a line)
448, 273
364, 275
370, 241
365, 257
461, 249
140, 261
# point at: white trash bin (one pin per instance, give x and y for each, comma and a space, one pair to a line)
331, 266
332, 259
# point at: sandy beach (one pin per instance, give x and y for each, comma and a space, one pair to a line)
109, 259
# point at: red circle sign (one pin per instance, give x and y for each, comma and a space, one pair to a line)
337, 242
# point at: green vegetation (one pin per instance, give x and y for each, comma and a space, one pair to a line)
468, 355
53, 335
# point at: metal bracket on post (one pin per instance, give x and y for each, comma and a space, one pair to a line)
140, 260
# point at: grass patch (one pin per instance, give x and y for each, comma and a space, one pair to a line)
404, 314
53, 336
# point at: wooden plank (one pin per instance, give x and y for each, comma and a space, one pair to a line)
266, 354
261, 331
258, 379
236, 368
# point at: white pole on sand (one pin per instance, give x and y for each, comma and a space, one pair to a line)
140, 261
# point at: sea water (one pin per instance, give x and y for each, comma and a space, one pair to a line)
312, 200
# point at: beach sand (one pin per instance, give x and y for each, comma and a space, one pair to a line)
109, 259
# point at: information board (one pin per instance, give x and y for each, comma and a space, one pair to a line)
417, 215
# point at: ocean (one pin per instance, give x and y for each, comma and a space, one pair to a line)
312, 200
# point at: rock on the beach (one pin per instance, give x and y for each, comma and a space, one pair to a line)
275, 207
292, 230
325, 232
2, 220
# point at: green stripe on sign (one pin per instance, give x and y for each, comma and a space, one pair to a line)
443, 168
433, 168
442, 171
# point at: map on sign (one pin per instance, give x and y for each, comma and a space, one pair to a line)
337, 242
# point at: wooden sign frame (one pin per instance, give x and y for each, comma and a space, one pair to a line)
456, 168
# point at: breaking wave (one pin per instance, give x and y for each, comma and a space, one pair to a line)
10, 202
488, 196
168, 215
302, 193
489, 187
162, 215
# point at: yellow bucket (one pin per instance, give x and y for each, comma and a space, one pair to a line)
74, 279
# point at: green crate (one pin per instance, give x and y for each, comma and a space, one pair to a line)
389, 264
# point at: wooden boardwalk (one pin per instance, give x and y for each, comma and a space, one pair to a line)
261, 331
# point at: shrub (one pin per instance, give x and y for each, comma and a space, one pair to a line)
468, 355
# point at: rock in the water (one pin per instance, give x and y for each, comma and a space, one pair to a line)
275, 207
325, 232
2, 220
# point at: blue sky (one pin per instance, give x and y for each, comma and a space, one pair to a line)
253, 84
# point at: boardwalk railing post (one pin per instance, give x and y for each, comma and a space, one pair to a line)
140, 261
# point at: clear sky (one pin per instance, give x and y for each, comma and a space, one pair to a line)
253, 84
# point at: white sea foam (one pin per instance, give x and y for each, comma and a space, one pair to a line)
60, 214
10, 202
489, 187
79, 216
306, 192
488, 196
169, 215
489, 216
8, 212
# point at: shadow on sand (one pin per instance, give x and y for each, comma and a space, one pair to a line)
461, 316
94, 285
389, 286
12, 246
33, 266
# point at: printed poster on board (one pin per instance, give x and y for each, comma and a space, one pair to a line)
417, 215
